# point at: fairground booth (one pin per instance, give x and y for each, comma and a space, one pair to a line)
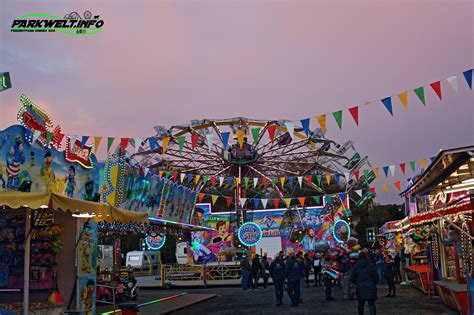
438, 232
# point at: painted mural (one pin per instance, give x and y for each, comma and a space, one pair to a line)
37, 168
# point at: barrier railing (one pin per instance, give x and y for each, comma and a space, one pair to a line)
204, 273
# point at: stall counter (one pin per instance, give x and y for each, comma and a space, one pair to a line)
453, 295
421, 277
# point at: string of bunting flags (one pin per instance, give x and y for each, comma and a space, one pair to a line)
305, 123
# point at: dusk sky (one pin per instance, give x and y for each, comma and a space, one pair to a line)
167, 62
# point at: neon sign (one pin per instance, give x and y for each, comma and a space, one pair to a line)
341, 231
77, 153
250, 234
155, 242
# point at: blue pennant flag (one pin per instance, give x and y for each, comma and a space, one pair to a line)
305, 125
84, 140
388, 104
256, 201
291, 181
229, 181
190, 178
342, 196
385, 170
225, 139
432, 158
337, 177
468, 76
153, 143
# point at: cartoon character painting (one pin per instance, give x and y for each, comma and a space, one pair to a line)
47, 171
15, 158
222, 233
201, 254
71, 182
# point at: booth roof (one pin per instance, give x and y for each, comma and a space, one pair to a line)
98, 211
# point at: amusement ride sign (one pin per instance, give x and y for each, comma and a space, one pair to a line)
250, 234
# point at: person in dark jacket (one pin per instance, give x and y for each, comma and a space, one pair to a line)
294, 272
256, 271
389, 275
308, 264
245, 267
277, 272
398, 264
365, 277
265, 271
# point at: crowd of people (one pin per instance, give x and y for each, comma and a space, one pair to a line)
292, 272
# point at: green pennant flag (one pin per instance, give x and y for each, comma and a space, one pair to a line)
412, 165
318, 177
109, 143
167, 174
255, 133
338, 117
420, 92
317, 199
49, 136
246, 181
205, 179
328, 198
273, 181
181, 140
366, 173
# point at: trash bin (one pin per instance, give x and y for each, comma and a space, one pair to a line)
129, 309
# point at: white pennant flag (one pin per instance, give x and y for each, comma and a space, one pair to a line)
392, 169
221, 181
300, 180
347, 176
210, 140
264, 203
255, 182
138, 142
35, 137
182, 176
72, 140
291, 128
453, 81
146, 170
359, 192
242, 201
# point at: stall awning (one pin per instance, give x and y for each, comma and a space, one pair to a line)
98, 211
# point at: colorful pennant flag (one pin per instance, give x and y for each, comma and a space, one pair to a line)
175, 176
225, 139
404, 99
164, 144
317, 199
300, 181
385, 170
214, 199
256, 202
246, 182
83, 141
468, 76
181, 141
110, 140
271, 132
123, 144
359, 192
354, 111
423, 163
387, 102
282, 181
97, 143
356, 174
309, 178
146, 170
181, 177
342, 196
240, 137
138, 144
412, 165
242, 201
264, 203
210, 141
338, 117
205, 179
318, 179
213, 181
376, 171
221, 181
398, 185
196, 179
228, 200
200, 197
194, 140
291, 181
255, 134
265, 182
287, 202
337, 176
420, 92
436, 86
152, 140
328, 178
276, 202
453, 81
392, 169
190, 178
290, 128
322, 122
255, 182
305, 124
301, 200
402, 167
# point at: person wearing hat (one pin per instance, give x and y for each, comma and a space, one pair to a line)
245, 268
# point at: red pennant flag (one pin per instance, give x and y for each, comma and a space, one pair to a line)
372, 189
213, 180
402, 167
356, 174
194, 140
229, 200
437, 88
276, 202
175, 175
60, 139
308, 180
301, 200
123, 144
200, 196
271, 132
397, 184
265, 182
355, 114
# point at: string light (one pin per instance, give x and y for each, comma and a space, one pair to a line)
155, 242
250, 234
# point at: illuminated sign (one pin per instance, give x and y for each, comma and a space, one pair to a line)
250, 234
341, 231
77, 153
5, 82
155, 242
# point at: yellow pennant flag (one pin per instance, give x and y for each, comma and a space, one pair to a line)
404, 99
322, 122
196, 179
385, 187
376, 172
282, 181
160, 173
214, 199
237, 181
240, 137
328, 178
423, 163
97, 143
166, 140
287, 201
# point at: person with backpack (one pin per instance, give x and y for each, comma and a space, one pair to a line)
277, 272
365, 277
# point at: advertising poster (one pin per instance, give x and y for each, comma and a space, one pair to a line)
36, 168
87, 265
178, 203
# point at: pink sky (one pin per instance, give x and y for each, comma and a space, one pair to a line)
167, 62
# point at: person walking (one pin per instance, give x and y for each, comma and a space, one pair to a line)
327, 281
245, 268
389, 275
307, 267
300, 258
256, 271
398, 265
317, 270
294, 271
265, 272
379, 261
277, 272
365, 277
